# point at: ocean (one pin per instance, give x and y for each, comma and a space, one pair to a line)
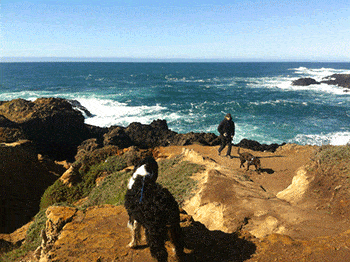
194, 97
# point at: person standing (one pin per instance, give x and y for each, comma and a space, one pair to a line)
227, 131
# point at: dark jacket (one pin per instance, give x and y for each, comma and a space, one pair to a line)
228, 127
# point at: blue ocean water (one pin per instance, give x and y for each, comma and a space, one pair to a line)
196, 96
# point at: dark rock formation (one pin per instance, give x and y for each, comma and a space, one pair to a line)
23, 180
256, 146
76, 105
153, 135
342, 80
117, 137
207, 139
51, 123
304, 82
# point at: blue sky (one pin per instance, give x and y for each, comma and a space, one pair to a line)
241, 30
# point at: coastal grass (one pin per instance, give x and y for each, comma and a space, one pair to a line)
175, 175
334, 157
332, 173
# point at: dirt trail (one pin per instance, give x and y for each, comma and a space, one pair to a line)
230, 199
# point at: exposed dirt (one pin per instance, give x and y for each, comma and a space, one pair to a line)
314, 227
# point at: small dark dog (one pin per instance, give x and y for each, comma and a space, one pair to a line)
153, 207
250, 159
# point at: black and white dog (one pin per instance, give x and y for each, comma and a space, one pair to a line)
153, 207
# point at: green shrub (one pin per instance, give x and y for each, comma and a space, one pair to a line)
58, 192
111, 191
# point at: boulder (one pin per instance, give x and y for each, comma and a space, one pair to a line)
117, 137
148, 136
71, 176
13, 240
342, 80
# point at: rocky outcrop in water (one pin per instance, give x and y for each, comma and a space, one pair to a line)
341, 80
304, 82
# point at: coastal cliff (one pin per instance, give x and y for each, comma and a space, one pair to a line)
294, 209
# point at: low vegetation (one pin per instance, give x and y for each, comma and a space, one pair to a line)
174, 174
32, 239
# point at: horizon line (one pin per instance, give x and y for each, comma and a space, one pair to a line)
170, 60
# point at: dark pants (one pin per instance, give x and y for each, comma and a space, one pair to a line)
226, 141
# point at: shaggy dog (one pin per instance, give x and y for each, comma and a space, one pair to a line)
152, 207
250, 159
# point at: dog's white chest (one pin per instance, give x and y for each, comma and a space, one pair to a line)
141, 171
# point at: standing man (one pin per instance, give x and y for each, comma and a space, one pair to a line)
227, 131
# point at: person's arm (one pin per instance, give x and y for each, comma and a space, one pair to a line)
220, 128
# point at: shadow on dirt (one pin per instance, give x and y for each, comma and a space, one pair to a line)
267, 170
215, 246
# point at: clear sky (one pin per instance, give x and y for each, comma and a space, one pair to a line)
235, 30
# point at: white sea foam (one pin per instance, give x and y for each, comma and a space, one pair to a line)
318, 73
285, 82
108, 112
335, 139
28, 95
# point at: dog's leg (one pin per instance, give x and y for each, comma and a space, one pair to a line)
176, 238
156, 241
242, 164
135, 228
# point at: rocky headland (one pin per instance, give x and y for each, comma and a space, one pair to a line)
73, 175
